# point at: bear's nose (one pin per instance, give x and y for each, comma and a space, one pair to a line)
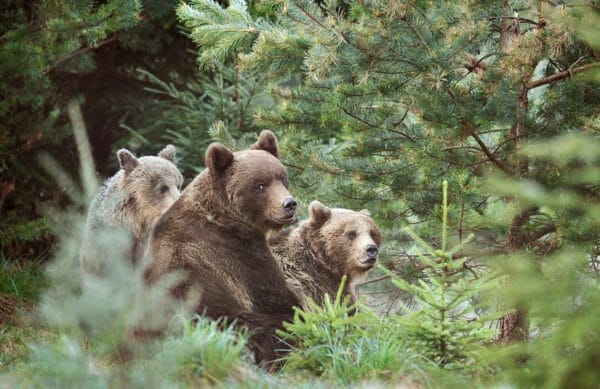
372, 251
289, 204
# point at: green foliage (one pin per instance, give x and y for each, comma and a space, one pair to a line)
61, 364
17, 235
557, 280
37, 40
204, 353
16, 339
25, 281
398, 87
234, 29
347, 344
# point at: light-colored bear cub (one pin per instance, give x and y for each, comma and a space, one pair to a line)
126, 207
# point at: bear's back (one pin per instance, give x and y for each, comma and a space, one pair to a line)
232, 269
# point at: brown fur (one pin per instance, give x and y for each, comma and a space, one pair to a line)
126, 207
215, 233
331, 243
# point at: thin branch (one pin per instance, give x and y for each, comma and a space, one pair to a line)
373, 280
488, 153
506, 141
520, 19
352, 115
417, 34
78, 52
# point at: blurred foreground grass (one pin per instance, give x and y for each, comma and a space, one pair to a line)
21, 284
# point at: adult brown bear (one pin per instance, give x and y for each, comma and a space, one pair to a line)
215, 235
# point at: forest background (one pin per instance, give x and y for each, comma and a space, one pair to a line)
488, 280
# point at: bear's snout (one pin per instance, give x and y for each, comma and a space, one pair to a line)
372, 251
289, 205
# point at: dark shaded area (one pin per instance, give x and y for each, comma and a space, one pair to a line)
104, 77
114, 93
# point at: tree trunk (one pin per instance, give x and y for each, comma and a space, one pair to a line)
514, 327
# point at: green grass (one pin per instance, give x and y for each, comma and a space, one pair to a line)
16, 338
204, 354
22, 280
21, 284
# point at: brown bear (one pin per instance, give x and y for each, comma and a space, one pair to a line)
215, 235
318, 252
126, 207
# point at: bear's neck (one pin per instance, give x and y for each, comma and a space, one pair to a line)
312, 242
120, 207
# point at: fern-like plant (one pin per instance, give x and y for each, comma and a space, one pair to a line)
347, 343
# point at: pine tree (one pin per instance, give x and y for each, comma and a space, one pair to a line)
445, 326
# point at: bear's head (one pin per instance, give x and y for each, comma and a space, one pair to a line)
252, 184
348, 241
152, 184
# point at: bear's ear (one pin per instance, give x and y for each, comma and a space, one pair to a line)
319, 213
127, 161
267, 142
168, 153
365, 212
218, 158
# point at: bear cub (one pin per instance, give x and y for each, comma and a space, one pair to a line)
319, 251
214, 235
126, 207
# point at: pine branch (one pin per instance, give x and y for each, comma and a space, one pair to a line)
417, 34
561, 75
311, 17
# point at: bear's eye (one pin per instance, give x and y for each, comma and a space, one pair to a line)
260, 186
376, 236
351, 235
164, 189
